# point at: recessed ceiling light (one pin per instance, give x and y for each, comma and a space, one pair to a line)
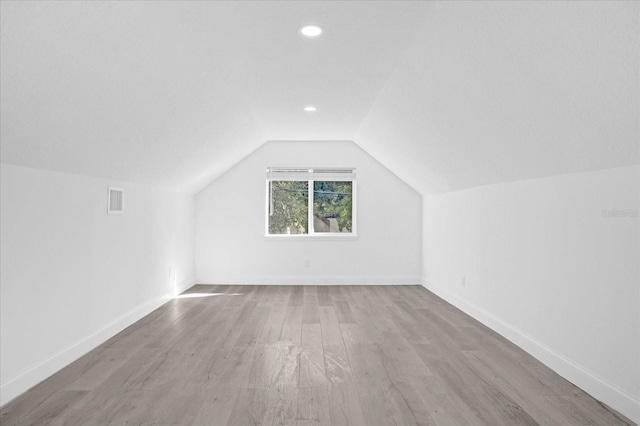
310, 108
310, 31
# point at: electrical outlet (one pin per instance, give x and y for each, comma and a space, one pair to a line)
464, 281
307, 263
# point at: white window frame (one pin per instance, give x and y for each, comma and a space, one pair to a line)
312, 174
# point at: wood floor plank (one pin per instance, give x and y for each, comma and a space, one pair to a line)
402, 362
359, 334
368, 365
179, 402
220, 349
461, 383
410, 405
414, 330
503, 407
272, 328
282, 405
253, 326
335, 292
442, 407
345, 408
296, 296
311, 309
51, 409
324, 298
313, 407
287, 371
338, 355
217, 406
312, 372
336, 361
331, 333
379, 406
134, 377
343, 311
250, 407
292, 325
263, 366
18, 408
337, 366
232, 370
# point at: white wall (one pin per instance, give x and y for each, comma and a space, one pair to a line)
72, 276
231, 246
546, 269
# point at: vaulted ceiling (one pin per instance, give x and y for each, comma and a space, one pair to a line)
448, 95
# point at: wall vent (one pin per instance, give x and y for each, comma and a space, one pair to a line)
116, 201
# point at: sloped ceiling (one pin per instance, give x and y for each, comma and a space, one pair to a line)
447, 95
492, 92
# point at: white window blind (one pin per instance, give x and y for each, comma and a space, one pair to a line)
302, 174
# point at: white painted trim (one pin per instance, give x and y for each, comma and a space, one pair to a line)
326, 236
311, 280
185, 285
45, 368
592, 383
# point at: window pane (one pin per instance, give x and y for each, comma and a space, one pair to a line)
332, 205
288, 210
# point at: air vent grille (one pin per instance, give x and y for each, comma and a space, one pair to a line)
116, 201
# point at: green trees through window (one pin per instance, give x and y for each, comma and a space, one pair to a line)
289, 207
332, 206
289, 203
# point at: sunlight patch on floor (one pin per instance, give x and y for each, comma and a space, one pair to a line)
194, 295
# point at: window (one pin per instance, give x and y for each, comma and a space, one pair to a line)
310, 201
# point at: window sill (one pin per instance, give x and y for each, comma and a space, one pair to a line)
311, 237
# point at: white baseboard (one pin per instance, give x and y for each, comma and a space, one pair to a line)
590, 382
311, 280
45, 368
185, 285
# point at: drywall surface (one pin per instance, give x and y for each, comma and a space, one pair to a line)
493, 92
72, 276
552, 264
231, 246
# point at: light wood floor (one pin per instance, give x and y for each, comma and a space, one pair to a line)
356, 355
